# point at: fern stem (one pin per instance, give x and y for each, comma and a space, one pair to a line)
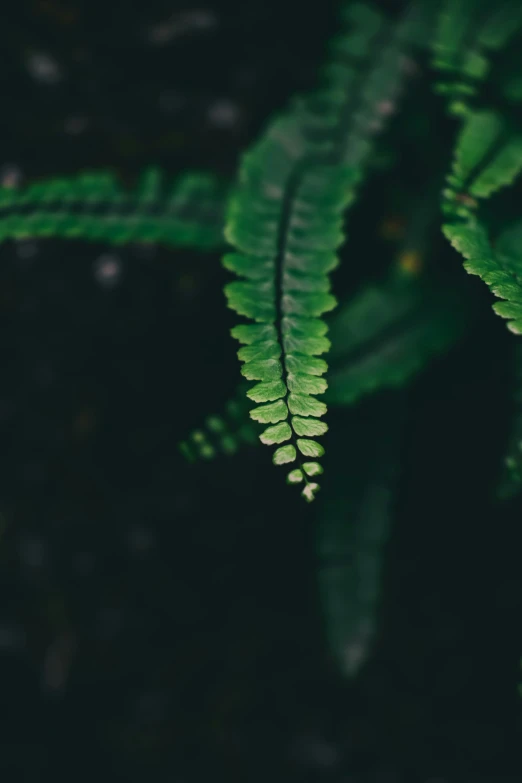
286, 213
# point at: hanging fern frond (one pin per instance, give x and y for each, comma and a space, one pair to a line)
467, 32
354, 525
222, 433
285, 223
93, 206
488, 157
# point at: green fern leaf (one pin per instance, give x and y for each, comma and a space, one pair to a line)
285, 224
388, 333
93, 206
488, 157
500, 270
353, 528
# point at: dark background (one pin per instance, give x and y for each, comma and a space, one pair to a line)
159, 621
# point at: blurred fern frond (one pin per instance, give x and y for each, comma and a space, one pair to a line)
188, 212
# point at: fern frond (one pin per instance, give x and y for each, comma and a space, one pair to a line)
499, 270
222, 433
488, 157
467, 32
389, 332
353, 528
285, 222
93, 206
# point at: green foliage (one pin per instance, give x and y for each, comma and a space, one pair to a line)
285, 222
500, 270
467, 33
389, 332
488, 151
383, 337
93, 206
222, 433
488, 156
354, 523
289, 239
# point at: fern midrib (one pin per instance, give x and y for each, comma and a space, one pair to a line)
292, 186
